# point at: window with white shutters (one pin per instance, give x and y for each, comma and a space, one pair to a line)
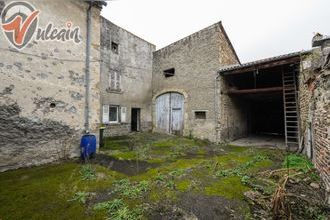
115, 81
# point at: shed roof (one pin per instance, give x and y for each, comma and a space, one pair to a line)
261, 62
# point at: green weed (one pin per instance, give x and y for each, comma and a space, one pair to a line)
298, 162
131, 190
81, 197
118, 210
87, 172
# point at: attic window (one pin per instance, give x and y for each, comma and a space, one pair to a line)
169, 72
200, 114
114, 47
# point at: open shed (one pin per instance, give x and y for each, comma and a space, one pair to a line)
263, 100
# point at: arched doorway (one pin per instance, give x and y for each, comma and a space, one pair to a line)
169, 113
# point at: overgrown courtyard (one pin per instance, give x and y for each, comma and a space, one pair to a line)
156, 176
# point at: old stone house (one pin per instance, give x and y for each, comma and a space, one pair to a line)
42, 87
170, 90
126, 69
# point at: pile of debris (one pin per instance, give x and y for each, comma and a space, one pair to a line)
298, 195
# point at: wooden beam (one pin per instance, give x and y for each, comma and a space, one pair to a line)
254, 91
266, 65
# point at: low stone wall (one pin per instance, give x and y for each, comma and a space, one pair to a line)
122, 129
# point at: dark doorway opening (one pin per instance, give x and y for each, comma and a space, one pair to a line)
135, 119
267, 115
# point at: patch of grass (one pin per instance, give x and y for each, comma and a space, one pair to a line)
183, 165
43, 192
110, 206
236, 149
131, 190
241, 170
297, 161
80, 197
87, 172
118, 210
124, 155
183, 185
228, 187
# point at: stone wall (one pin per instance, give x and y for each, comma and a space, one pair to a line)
233, 114
133, 62
42, 93
314, 90
196, 60
321, 127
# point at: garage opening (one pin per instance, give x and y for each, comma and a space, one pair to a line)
263, 105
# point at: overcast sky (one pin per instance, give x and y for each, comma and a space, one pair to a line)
256, 28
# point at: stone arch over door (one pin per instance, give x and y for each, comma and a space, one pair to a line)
169, 113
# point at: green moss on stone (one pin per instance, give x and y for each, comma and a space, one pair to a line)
229, 187
183, 185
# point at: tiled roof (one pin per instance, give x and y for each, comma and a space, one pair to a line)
262, 61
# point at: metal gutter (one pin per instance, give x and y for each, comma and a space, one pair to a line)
87, 73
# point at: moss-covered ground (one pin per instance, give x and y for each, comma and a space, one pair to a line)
178, 166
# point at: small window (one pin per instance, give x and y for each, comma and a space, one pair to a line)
200, 114
169, 72
115, 81
113, 114
114, 47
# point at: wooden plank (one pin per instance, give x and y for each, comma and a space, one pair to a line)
265, 65
249, 91
177, 101
163, 112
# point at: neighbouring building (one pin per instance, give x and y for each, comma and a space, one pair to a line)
126, 69
42, 87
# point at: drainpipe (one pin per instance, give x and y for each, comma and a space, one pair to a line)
216, 104
87, 73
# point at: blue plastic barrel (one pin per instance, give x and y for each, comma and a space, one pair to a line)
88, 146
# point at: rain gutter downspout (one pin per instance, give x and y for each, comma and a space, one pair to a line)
87, 73
216, 105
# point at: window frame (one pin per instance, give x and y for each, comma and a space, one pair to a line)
203, 112
117, 121
117, 81
114, 47
169, 72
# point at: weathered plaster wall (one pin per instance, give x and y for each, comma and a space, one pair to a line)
134, 63
31, 131
196, 60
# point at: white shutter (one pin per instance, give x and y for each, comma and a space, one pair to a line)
112, 80
123, 114
105, 115
117, 76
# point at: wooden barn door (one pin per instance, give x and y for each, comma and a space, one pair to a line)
169, 113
